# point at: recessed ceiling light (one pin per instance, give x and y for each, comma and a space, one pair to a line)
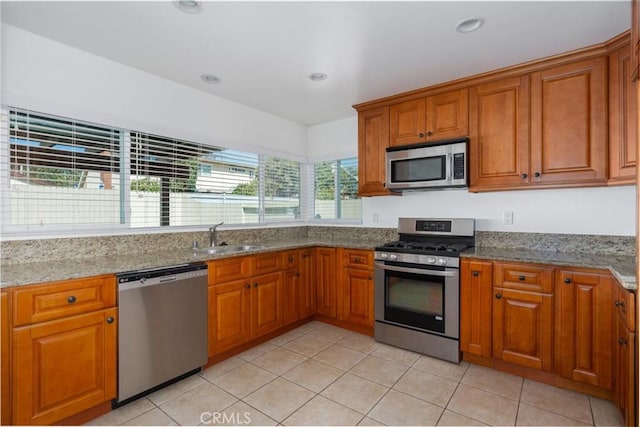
210, 78
468, 25
189, 6
317, 77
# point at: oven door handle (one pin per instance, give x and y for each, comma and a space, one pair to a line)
417, 270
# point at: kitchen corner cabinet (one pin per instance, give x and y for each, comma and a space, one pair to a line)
307, 285
63, 349
326, 282
476, 295
433, 118
622, 118
291, 287
523, 315
624, 343
373, 140
356, 286
583, 326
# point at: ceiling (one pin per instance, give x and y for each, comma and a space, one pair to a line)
263, 52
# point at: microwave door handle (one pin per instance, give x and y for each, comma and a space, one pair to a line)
416, 270
450, 167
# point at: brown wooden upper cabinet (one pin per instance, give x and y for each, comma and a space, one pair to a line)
635, 39
432, 118
373, 140
622, 118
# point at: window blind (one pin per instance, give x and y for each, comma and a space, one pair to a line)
281, 189
62, 171
335, 185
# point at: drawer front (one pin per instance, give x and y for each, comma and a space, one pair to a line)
290, 259
625, 307
227, 269
267, 263
39, 303
524, 277
356, 258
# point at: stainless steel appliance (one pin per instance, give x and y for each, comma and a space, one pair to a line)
163, 327
427, 165
417, 286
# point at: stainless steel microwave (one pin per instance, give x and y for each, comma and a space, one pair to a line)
428, 165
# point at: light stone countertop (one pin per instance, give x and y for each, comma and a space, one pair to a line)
622, 267
12, 275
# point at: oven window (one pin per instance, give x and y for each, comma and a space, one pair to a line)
420, 169
415, 300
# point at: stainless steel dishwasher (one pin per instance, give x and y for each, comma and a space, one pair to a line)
162, 332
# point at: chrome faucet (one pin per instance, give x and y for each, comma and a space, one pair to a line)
213, 238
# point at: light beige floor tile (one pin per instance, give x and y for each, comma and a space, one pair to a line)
123, 413
605, 412
442, 368
330, 332
340, 357
314, 375
287, 336
240, 414
324, 412
483, 406
174, 390
244, 379
308, 345
497, 382
279, 361
397, 409
379, 370
560, 401
366, 421
395, 354
355, 392
154, 417
256, 351
424, 386
198, 404
221, 368
311, 326
449, 418
360, 342
532, 416
279, 399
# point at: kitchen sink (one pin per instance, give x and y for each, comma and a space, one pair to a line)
225, 249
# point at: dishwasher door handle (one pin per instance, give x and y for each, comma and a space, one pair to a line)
167, 279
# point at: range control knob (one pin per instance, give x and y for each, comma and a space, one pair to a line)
442, 261
384, 255
393, 257
431, 260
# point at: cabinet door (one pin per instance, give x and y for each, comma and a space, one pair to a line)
357, 296
231, 315
307, 288
622, 118
266, 263
5, 332
326, 281
522, 328
624, 344
635, 39
63, 367
447, 115
499, 133
266, 304
407, 122
373, 140
583, 325
475, 307
569, 123
290, 296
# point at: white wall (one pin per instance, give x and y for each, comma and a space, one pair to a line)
44, 75
333, 140
599, 210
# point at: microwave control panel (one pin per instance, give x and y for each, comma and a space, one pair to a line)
458, 166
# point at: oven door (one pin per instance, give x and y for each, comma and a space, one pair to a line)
422, 298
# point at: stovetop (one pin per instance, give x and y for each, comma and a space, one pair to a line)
425, 248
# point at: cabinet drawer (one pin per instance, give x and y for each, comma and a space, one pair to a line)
524, 277
224, 270
290, 259
267, 263
356, 258
38, 303
625, 307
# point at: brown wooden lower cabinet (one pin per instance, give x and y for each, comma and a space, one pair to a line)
5, 333
476, 293
357, 298
307, 285
326, 282
266, 304
229, 315
290, 296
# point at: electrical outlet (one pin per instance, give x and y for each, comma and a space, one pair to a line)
507, 218
375, 217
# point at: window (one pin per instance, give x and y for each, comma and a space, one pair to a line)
336, 190
62, 172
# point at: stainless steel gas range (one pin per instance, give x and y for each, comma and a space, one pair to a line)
417, 286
